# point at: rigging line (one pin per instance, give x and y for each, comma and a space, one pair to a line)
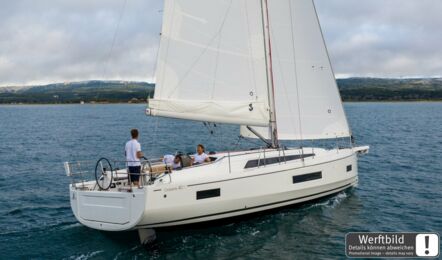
295, 71
252, 141
114, 38
166, 55
154, 68
269, 68
155, 63
238, 142
263, 24
207, 125
250, 50
216, 69
203, 52
217, 50
154, 137
284, 86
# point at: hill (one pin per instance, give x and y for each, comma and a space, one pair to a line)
381, 89
88, 91
351, 89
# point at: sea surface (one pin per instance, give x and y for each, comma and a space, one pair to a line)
400, 184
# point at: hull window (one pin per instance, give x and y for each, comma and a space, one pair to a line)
205, 194
349, 168
273, 160
307, 177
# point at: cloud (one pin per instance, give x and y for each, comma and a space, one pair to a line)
383, 38
54, 41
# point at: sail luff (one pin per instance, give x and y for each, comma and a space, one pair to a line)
307, 100
273, 130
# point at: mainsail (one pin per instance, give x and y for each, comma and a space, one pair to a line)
213, 66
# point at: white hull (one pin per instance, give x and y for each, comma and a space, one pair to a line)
222, 189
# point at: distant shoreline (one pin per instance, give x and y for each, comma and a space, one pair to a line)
111, 92
126, 103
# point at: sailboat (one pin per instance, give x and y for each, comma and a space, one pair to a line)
259, 64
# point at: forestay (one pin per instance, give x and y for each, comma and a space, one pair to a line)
211, 64
308, 104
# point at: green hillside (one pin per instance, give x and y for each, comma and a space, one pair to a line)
379, 89
90, 91
352, 89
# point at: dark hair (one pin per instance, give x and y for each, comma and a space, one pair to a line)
134, 133
202, 147
180, 159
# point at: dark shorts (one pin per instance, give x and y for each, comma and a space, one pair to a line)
137, 171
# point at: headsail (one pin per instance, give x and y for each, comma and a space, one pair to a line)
308, 104
211, 64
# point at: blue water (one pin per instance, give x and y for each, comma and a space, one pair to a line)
400, 185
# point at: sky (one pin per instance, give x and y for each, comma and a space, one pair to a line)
50, 41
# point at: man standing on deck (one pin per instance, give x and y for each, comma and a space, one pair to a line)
133, 155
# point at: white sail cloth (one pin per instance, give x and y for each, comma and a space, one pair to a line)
211, 64
209, 111
307, 100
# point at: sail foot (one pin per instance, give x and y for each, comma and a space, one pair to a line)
229, 112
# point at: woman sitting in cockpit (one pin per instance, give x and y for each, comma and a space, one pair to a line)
200, 156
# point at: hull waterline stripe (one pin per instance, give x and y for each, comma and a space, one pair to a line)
237, 210
251, 176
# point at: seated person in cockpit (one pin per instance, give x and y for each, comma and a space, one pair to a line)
200, 156
174, 161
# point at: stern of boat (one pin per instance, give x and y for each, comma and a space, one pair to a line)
108, 210
108, 203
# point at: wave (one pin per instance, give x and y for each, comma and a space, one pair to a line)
86, 256
21, 210
330, 202
63, 225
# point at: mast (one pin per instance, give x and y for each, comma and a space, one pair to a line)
270, 82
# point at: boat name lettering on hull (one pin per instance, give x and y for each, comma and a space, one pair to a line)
181, 187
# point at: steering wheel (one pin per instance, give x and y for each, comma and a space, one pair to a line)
102, 168
146, 166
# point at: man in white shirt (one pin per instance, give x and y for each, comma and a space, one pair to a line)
200, 156
173, 161
133, 154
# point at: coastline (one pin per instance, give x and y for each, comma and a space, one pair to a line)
144, 103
